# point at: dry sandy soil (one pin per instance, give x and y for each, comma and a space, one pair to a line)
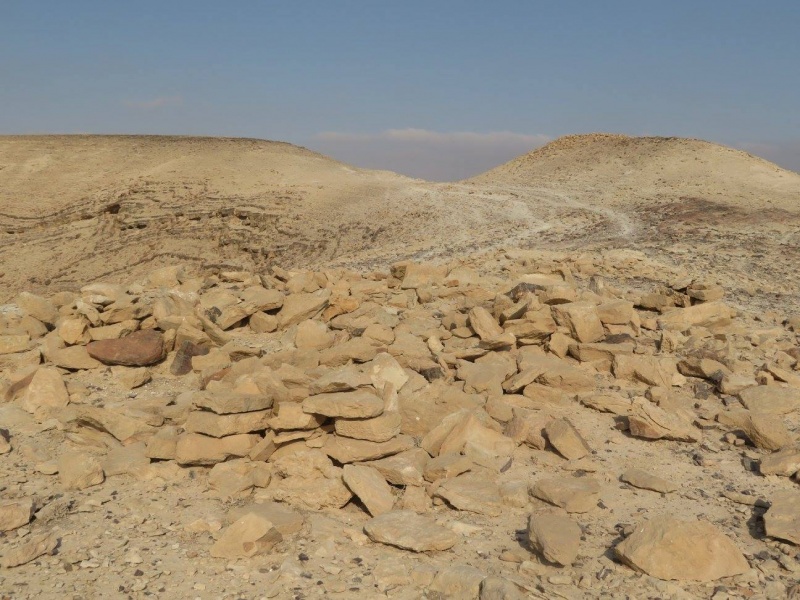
609, 218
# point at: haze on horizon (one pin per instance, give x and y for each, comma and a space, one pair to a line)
439, 90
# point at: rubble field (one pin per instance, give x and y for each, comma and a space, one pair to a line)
513, 424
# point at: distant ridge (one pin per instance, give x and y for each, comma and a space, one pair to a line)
604, 159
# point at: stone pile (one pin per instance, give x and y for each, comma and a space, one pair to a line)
405, 394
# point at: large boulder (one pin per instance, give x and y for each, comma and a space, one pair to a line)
669, 548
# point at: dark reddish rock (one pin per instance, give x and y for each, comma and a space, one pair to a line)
182, 364
138, 349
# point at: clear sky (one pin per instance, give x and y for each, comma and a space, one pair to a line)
436, 88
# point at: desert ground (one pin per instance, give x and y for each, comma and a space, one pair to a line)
235, 368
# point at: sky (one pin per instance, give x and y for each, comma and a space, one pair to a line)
438, 89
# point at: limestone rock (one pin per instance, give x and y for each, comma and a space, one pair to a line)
139, 349
285, 519
473, 493
73, 358
456, 583
248, 536
118, 424
670, 548
78, 470
347, 450
782, 520
384, 369
370, 487
703, 315
360, 404
209, 423
342, 379
39, 308
302, 306
417, 275
771, 399
573, 494
197, 449
290, 415
131, 459
235, 478
566, 440
11, 344
404, 468
379, 429
647, 481
447, 465
131, 378
225, 402
609, 403
407, 530
14, 514
651, 422
528, 427
785, 462
45, 391
315, 493
484, 324
557, 538
582, 320
766, 431
470, 435
34, 547
498, 588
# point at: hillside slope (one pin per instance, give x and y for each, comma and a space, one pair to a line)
78, 208
82, 208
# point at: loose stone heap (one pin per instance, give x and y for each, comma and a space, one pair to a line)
406, 394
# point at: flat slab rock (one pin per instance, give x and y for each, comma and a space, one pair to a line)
473, 493
573, 494
139, 349
669, 548
647, 481
407, 530
770, 399
782, 520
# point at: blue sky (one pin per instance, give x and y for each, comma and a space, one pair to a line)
439, 89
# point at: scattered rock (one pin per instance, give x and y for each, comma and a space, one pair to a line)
647, 481
250, 535
557, 538
370, 487
16, 514
782, 520
573, 494
78, 470
45, 391
651, 422
410, 531
36, 546
566, 439
673, 549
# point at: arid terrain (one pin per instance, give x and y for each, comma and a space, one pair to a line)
236, 368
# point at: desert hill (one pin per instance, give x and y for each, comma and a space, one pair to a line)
651, 166
80, 208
